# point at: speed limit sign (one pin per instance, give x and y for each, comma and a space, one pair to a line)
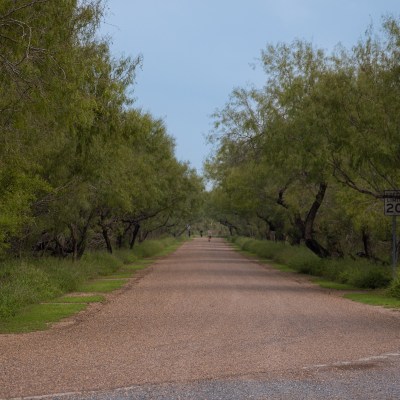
392, 202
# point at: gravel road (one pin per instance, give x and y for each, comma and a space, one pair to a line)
207, 323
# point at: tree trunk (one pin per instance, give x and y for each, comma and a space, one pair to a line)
74, 242
134, 235
84, 234
107, 239
311, 243
104, 229
366, 239
121, 236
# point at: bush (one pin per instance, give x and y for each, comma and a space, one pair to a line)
361, 274
23, 284
148, 248
394, 289
241, 242
365, 275
307, 263
65, 274
268, 250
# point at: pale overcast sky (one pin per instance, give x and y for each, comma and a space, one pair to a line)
196, 51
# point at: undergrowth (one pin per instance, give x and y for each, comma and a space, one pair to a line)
361, 274
27, 282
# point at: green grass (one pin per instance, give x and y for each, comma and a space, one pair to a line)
361, 274
102, 286
38, 317
120, 275
77, 299
374, 299
280, 267
137, 267
29, 282
333, 285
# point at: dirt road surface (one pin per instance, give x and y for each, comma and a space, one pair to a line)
207, 323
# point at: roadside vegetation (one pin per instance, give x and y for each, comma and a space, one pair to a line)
301, 163
35, 292
306, 157
336, 274
81, 169
89, 183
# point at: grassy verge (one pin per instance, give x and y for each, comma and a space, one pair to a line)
342, 274
333, 285
102, 286
78, 299
25, 284
375, 299
38, 317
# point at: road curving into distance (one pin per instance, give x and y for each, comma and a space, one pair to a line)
205, 323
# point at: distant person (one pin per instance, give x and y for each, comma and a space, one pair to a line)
201, 233
209, 235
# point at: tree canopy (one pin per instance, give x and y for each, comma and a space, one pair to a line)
307, 157
79, 164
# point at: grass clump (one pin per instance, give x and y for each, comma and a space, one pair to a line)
394, 288
148, 249
126, 256
101, 263
22, 284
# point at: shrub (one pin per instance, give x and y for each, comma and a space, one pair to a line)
394, 289
307, 264
149, 248
337, 270
268, 250
362, 274
250, 245
241, 242
28, 282
24, 284
369, 276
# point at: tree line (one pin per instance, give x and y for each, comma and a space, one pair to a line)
79, 164
306, 158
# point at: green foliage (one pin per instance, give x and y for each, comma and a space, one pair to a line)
307, 156
27, 282
23, 284
152, 248
394, 289
77, 162
101, 263
369, 276
126, 256
359, 274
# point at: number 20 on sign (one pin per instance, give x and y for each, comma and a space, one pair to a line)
392, 202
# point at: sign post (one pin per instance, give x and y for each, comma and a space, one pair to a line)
392, 208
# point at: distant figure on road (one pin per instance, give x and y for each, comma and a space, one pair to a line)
209, 235
201, 233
